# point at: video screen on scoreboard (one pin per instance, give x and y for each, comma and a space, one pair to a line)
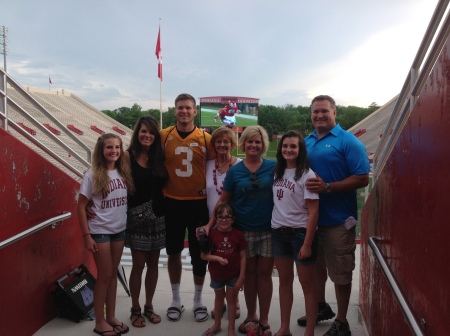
228, 111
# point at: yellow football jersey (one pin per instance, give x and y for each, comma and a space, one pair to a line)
185, 160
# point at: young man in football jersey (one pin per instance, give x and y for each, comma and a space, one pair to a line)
187, 149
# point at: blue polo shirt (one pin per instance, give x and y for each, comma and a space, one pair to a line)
334, 157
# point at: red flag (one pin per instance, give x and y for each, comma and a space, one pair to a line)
50, 80
159, 54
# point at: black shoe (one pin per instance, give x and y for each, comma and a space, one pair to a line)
338, 328
324, 313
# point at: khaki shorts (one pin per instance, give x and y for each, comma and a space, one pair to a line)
337, 252
258, 243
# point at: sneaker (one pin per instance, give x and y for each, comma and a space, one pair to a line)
338, 328
324, 313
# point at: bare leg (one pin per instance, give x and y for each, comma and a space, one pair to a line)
137, 268
321, 281
307, 277
218, 304
103, 262
265, 287
116, 254
231, 296
251, 289
343, 298
151, 276
285, 267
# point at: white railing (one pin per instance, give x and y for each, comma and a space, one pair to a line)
51, 221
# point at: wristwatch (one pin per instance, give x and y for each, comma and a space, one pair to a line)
328, 188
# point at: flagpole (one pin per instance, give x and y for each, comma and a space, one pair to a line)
160, 78
160, 103
159, 56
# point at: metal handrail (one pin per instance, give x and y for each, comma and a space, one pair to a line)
23, 234
414, 83
407, 311
10, 123
47, 114
44, 148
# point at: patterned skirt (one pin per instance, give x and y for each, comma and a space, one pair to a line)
145, 231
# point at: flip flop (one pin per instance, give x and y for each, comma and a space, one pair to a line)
210, 332
201, 311
174, 310
124, 330
106, 331
264, 330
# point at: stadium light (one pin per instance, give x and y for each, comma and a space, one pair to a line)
4, 39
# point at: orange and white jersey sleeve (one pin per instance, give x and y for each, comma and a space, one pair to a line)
185, 160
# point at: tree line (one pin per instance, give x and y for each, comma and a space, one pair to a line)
275, 119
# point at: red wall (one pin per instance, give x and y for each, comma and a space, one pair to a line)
409, 208
33, 190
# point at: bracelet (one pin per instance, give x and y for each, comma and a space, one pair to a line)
87, 234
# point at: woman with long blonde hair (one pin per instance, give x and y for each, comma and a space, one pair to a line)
106, 185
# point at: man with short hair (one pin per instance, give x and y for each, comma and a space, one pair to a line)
342, 166
186, 150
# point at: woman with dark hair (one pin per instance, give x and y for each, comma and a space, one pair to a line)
145, 234
294, 224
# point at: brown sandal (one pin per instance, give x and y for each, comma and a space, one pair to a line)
150, 314
139, 320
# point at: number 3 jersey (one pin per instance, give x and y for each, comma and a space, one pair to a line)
185, 161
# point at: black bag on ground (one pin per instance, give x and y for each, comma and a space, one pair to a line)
74, 294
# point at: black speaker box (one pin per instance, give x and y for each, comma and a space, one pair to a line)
74, 294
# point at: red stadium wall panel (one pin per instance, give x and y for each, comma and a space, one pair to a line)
32, 191
408, 208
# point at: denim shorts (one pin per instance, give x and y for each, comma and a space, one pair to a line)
220, 284
288, 245
105, 237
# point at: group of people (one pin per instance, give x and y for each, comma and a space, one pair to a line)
256, 212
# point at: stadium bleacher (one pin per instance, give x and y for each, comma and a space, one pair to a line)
68, 110
370, 130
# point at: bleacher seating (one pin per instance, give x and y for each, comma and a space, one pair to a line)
74, 114
28, 129
118, 130
52, 129
368, 130
96, 129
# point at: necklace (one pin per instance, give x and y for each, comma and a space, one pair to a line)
218, 169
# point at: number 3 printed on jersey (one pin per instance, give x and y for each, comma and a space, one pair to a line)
186, 162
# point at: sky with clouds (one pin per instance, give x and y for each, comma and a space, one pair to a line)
282, 52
